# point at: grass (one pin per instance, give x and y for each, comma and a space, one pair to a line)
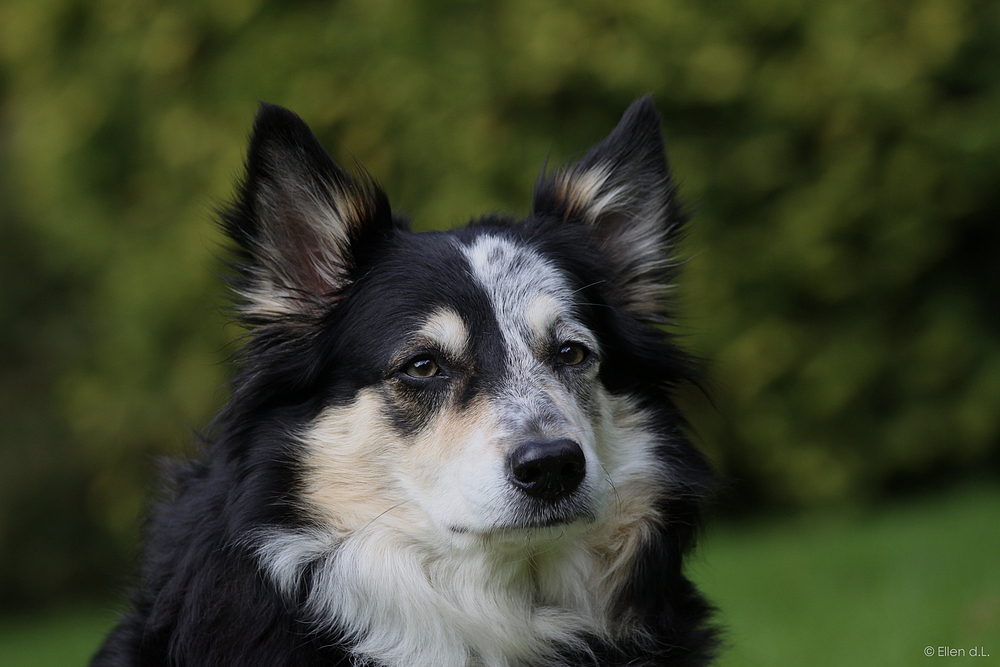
869, 590
812, 590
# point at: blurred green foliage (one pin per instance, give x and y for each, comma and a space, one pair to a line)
841, 158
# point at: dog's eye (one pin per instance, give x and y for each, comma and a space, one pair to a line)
421, 367
571, 354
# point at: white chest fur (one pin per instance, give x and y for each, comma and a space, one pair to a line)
462, 602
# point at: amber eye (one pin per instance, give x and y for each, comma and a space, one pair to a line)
571, 354
421, 367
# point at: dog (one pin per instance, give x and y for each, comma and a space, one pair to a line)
442, 449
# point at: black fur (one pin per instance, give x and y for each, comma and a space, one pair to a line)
204, 600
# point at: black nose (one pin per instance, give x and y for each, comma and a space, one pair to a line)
548, 470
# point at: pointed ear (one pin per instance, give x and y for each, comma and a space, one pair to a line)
301, 222
622, 191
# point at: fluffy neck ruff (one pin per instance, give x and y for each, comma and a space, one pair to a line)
464, 601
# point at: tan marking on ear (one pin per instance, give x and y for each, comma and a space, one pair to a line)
446, 329
265, 300
335, 221
630, 228
348, 475
351, 208
304, 243
579, 190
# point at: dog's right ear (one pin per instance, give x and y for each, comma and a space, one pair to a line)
299, 220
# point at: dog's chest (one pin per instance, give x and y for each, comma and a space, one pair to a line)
401, 604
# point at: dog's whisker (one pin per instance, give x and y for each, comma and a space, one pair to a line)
614, 489
596, 282
599, 305
380, 515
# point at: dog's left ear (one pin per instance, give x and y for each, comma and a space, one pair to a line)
622, 191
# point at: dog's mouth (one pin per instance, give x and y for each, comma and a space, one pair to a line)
530, 524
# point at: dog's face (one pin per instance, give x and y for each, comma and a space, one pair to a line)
483, 404
464, 382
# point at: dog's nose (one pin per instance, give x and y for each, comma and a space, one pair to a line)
548, 470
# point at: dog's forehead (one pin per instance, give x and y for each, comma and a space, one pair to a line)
510, 270
526, 290
470, 291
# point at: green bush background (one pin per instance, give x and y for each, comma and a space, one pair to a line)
841, 159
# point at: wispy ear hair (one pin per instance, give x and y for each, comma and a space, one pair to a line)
623, 192
297, 220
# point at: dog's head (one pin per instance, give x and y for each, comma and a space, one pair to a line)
495, 380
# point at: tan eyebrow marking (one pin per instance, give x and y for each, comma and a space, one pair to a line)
446, 329
542, 313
